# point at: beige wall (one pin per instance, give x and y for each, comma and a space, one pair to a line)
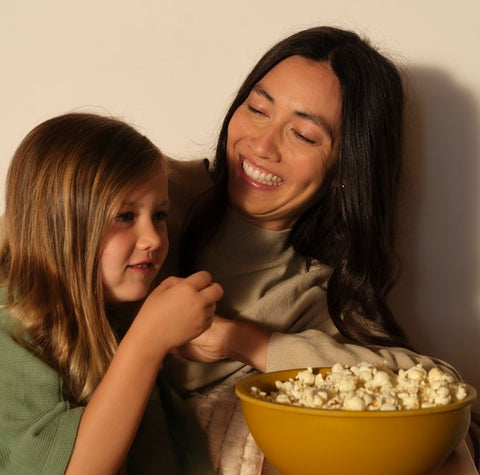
172, 66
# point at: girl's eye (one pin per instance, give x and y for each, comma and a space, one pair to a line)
125, 217
160, 216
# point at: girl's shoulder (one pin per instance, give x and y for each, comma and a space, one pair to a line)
4, 311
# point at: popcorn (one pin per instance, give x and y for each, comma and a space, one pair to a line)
367, 387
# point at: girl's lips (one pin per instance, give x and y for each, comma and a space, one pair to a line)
260, 176
143, 267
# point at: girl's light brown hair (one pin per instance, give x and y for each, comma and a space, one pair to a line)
64, 185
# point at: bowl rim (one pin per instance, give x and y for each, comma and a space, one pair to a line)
243, 386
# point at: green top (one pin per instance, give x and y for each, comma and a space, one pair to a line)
38, 424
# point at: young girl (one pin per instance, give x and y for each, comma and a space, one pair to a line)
84, 237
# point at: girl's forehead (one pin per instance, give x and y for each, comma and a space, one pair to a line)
155, 188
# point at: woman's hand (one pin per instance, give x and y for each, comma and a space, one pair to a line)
209, 346
241, 341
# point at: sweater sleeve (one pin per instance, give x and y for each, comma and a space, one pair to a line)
38, 425
312, 339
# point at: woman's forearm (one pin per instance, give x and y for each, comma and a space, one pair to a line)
229, 339
248, 343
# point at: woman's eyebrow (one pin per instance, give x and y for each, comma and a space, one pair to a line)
317, 119
260, 90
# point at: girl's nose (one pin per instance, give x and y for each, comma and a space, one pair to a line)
149, 238
265, 143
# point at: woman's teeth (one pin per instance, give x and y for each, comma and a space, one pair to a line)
261, 177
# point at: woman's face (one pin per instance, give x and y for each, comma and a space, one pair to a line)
282, 141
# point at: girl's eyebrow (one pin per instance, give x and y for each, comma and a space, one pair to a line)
160, 204
317, 119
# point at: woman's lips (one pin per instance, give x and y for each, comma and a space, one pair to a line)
260, 176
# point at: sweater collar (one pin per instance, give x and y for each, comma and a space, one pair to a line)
240, 238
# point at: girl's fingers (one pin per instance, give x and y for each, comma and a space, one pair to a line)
213, 292
202, 281
169, 282
199, 280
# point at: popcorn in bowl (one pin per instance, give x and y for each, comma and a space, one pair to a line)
367, 387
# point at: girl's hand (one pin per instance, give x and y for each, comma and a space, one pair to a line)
177, 311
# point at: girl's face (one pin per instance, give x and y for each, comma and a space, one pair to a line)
282, 141
136, 244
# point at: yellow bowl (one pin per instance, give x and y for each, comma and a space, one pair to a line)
304, 441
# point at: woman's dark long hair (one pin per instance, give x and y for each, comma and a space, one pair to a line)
351, 228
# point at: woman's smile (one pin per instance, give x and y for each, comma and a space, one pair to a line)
259, 175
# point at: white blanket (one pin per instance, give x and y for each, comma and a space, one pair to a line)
232, 448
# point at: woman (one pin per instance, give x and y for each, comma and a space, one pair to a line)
297, 220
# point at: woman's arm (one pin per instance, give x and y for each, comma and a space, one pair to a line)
232, 339
294, 330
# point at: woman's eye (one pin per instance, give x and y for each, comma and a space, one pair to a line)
255, 110
125, 217
305, 138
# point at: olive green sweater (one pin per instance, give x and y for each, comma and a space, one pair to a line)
38, 424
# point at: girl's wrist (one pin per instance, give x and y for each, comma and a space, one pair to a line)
147, 350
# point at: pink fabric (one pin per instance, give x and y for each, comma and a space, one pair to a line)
232, 448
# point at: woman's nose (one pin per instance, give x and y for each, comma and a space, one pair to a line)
149, 238
266, 142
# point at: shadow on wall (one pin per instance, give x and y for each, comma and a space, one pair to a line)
437, 299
